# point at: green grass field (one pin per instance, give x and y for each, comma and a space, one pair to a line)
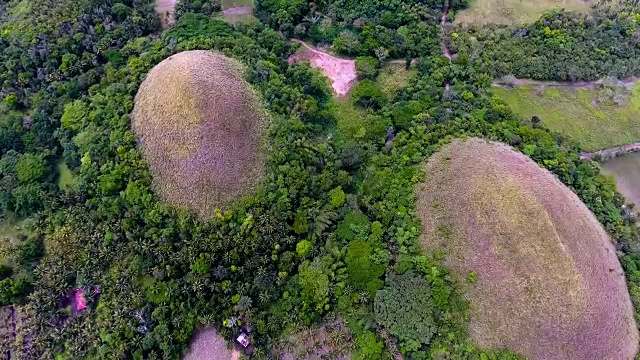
355, 123
394, 77
514, 11
228, 4
11, 227
576, 114
65, 177
241, 19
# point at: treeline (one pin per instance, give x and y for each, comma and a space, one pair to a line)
561, 45
383, 29
51, 54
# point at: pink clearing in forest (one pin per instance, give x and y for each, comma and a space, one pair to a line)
81, 303
342, 72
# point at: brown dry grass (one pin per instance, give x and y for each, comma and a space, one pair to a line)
208, 345
549, 284
201, 129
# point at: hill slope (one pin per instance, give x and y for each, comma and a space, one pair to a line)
201, 129
549, 284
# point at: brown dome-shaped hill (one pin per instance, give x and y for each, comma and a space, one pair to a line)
201, 129
548, 282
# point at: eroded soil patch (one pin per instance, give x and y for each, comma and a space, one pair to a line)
207, 344
342, 72
166, 10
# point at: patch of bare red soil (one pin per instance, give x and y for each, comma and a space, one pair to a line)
342, 72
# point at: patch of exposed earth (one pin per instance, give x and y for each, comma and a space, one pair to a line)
207, 344
238, 11
166, 9
341, 72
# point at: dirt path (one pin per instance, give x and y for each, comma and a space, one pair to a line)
629, 82
443, 21
342, 72
607, 154
167, 10
445, 50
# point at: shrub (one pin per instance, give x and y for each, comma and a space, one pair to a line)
364, 274
30, 168
406, 309
303, 248
11, 290
11, 101
368, 347
369, 95
354, 225
367, 67
314, 284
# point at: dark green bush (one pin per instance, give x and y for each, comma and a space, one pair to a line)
406, 309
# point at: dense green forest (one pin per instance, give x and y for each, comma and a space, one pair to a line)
333, 229
565, 46
382, 29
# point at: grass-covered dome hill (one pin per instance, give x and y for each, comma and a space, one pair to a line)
201, 129
541, 273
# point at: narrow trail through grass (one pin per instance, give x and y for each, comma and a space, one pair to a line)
612, 152
629, 82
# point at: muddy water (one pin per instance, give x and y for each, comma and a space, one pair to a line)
626, 169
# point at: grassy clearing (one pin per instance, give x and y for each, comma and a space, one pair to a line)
355, 123
202, 131
541, 260
228, 4
241, 19
626, 170
11, 227
13, 231
578, 113
65, 176
394, 77
509, 12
